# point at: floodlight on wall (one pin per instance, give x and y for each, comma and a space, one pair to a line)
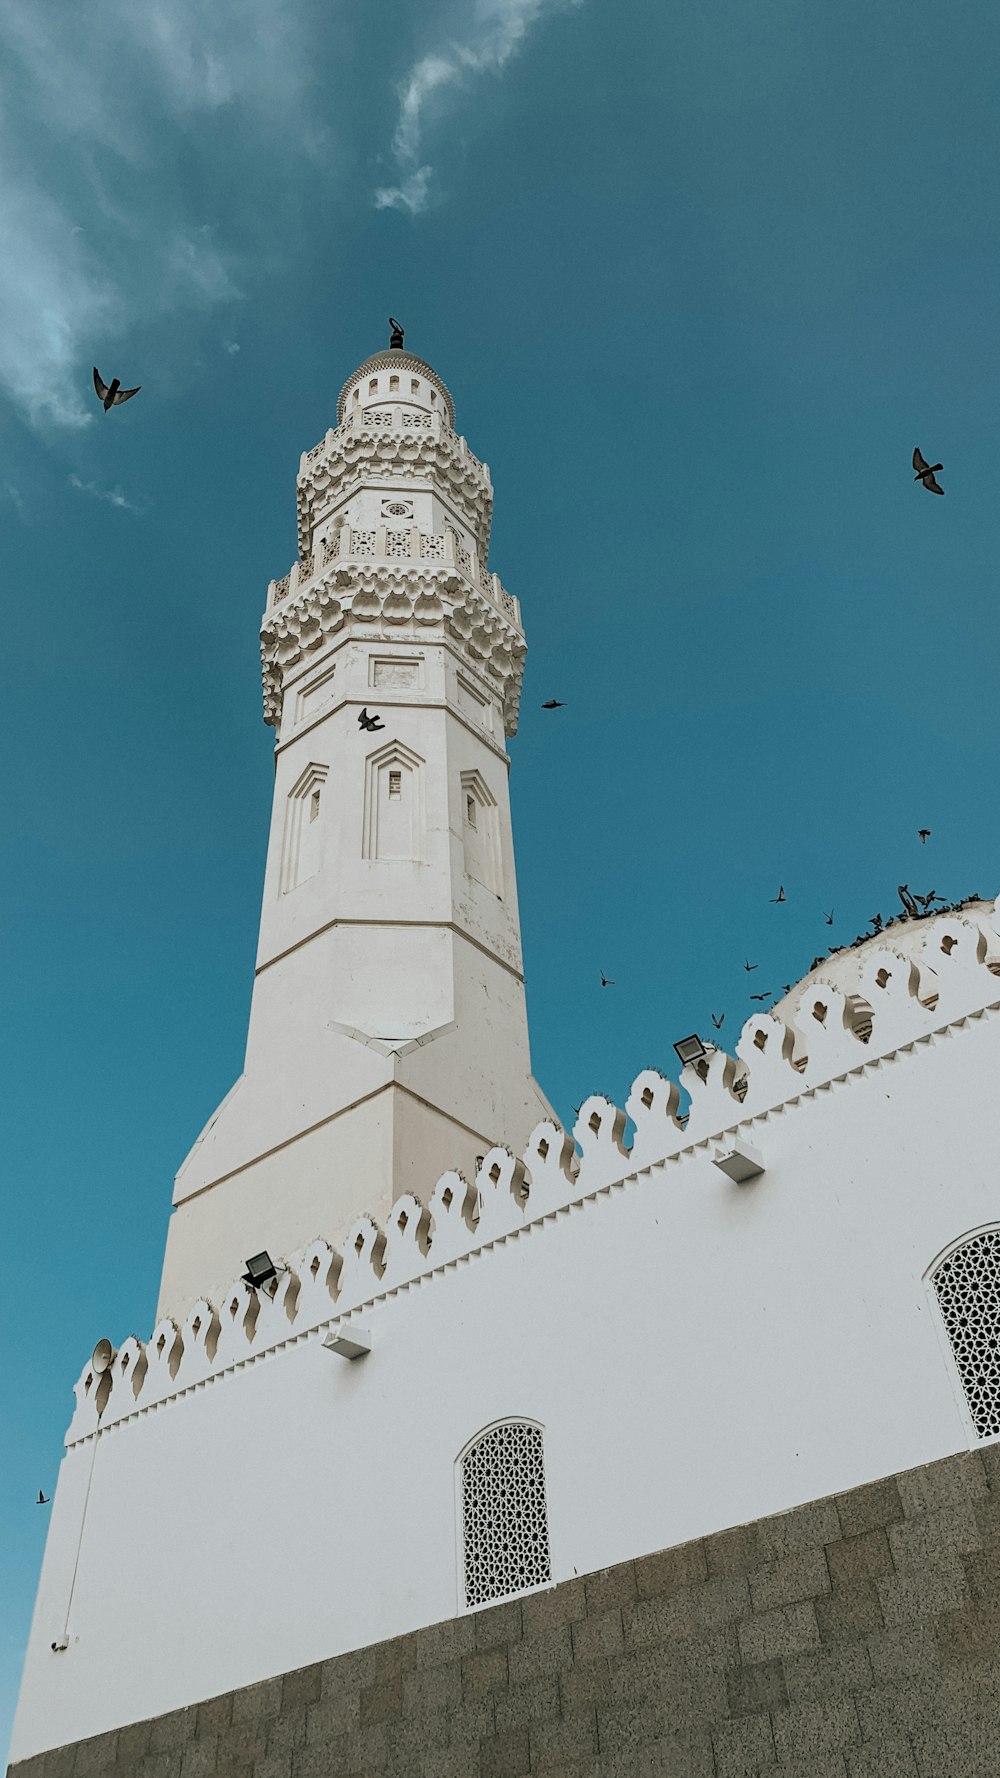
691, 1049
349, 1342
260, 1271
102, 1357
739, 1162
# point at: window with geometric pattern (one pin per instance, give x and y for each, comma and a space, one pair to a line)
967, 1284
505, 1532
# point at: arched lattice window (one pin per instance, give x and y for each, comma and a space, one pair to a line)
968, 1293
505, 1532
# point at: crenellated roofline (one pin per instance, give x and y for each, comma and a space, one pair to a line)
898, 1005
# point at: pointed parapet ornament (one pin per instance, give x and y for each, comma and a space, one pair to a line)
349, 1342
739, 1160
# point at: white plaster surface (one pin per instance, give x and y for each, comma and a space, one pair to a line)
699, 1353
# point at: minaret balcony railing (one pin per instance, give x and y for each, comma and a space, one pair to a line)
386, 543
387, 417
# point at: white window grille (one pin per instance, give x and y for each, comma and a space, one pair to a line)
504, 1519
968, 1293
362, 543
397, 543
431, 547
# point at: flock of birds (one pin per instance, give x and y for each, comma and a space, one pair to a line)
914, 907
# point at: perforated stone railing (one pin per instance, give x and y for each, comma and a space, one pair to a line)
392, 418
350, 456
898, 1003
392, 544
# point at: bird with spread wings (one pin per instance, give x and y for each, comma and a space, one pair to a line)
925, 473
114, 396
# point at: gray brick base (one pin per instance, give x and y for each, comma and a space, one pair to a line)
857, 1636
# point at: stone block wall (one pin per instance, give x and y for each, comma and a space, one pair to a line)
854, 1637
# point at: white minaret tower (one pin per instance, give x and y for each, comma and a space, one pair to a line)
388, 1036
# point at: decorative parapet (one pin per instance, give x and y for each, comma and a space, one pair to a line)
387, 543
389, 448
899, 1003
424, 592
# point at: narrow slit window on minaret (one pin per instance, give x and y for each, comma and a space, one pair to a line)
393, 383
396, 783
373, 386
470, 810
414, 385
314, 805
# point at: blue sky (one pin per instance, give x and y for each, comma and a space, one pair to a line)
699, 276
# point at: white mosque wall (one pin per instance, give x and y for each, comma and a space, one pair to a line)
698, 1354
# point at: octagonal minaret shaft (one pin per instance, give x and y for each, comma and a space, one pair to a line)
388, 1034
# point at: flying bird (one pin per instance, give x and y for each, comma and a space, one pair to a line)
748, 966
829, 917
767, 996
925, 473
369, 722
781, 893
605, 983
719, 1021
43, 1499
925, 900
553, 704
114, 396
923, 835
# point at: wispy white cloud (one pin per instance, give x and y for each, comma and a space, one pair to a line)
15, 498
231, 347
410, 194
99, 105
113, 496
494, 34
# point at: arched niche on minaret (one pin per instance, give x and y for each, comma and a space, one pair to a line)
394, 818
301, 848
481, 833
